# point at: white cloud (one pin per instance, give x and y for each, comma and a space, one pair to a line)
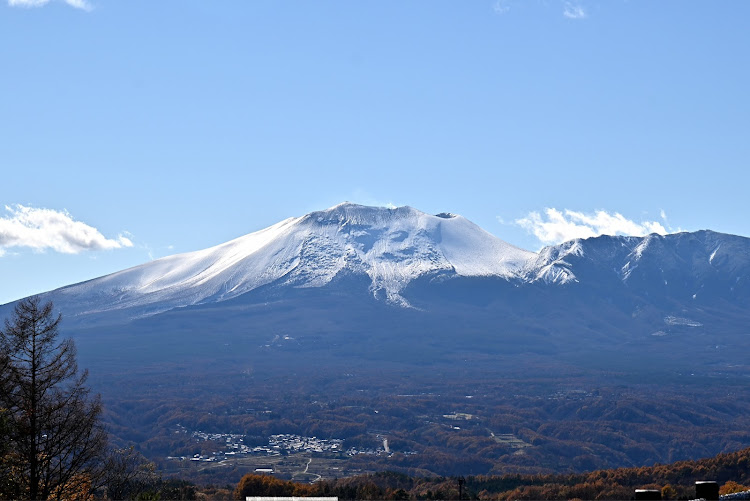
554, 226
363, 197
43, 229
78, 4
27, 3
501, 6
574, 11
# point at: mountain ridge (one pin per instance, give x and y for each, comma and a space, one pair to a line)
394, 247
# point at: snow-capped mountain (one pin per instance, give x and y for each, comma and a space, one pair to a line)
390, 246
403, 257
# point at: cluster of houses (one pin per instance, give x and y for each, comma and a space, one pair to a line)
705, 490
297, 443
277, 445
287, 443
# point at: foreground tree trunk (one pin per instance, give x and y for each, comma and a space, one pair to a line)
54, 431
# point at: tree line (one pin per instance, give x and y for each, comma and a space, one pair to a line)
52, 441
675, 481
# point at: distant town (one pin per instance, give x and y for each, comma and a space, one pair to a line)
278, 445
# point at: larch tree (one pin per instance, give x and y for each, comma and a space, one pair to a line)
54, 434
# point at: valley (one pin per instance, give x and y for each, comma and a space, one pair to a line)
437, 422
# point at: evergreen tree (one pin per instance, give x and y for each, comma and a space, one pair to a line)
54, 436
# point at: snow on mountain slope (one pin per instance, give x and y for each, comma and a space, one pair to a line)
691, 263
391, 246
552, 265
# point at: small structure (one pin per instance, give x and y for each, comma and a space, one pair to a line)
707, 489
647, 494
293, 498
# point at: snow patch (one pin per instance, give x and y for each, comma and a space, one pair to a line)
641, 247
713, 254
672, 320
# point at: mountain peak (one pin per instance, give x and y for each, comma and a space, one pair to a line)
349, 216
351, 213
391, 247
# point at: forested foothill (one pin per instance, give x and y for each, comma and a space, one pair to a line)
476, 423
179, 408
675, 481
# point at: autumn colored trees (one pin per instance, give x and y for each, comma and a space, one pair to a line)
676, 481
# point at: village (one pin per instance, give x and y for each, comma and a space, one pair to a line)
281, 444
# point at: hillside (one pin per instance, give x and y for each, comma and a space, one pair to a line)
676, 481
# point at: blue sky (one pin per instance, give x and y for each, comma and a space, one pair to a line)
135, 129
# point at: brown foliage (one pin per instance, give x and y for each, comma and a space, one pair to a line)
675, 481
267, 485
731, 487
